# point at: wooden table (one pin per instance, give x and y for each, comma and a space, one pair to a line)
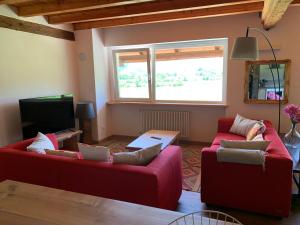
68, 140
153, 137
27, 204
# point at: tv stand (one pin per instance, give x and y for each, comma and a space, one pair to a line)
68, 139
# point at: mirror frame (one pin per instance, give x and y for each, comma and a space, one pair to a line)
287, 70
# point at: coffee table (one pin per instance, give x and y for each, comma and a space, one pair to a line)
153, 137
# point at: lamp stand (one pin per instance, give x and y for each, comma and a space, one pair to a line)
86, 127
278, 76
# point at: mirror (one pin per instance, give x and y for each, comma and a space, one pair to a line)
259, 82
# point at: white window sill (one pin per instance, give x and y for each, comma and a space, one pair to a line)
216, 105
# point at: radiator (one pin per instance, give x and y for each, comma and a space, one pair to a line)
165, 120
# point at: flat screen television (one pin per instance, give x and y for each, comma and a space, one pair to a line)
46, 114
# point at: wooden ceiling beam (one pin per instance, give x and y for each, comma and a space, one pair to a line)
12, 1
172, 16
173, 56
273, 11
67, 6
155, 7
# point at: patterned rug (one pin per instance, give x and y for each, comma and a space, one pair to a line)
191, 157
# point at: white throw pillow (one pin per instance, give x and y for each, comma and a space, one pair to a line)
243, 156
242, 125
40, 143
97, 153
258, 145
258, 137
140, 157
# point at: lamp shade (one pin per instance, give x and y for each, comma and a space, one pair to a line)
85, 110
245, 48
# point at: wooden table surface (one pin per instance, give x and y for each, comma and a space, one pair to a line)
27, 204
153, 137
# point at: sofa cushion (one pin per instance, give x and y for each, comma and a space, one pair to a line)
40, 143
258, 128
242, 144
97, 153
226, 136
242, 156
65, 153
140, 157
242, 125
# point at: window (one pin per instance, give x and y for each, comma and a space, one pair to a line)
175, 72
132, 70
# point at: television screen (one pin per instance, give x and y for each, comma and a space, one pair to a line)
46, 114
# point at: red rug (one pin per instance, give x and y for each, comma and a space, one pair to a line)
191, 161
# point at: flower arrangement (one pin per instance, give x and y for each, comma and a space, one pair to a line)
292, 138
293, 111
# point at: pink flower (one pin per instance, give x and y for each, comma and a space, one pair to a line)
293, 111
297, 117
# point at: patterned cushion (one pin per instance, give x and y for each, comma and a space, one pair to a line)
258, 128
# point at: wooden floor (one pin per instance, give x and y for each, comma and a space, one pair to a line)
190, 202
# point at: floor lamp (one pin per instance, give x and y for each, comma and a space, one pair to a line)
246, 48
85, 113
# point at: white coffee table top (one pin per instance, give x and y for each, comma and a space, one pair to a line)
153, 137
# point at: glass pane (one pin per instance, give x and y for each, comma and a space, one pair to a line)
189, 74
263, 81
132, 74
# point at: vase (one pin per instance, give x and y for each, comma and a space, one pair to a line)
292, 138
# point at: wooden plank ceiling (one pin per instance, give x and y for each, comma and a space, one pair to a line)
85, 14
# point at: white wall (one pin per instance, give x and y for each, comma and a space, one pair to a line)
101, 84
93, 78
285, 34
30, 66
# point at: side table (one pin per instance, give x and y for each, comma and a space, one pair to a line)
294, 152
68, 139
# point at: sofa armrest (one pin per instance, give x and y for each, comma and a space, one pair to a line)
224, 124
273, 183
168, 170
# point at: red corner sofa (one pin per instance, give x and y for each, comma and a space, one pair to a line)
159, 184
248, 187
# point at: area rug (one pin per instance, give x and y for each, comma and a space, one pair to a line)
191, 161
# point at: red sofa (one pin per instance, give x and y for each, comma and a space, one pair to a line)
248, 187
158, 184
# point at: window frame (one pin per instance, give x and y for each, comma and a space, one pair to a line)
151, 49
115, 73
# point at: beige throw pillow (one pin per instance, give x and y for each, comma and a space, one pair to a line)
65, 153
242, 125
257, 145
40, 143
140, 157
97, 153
